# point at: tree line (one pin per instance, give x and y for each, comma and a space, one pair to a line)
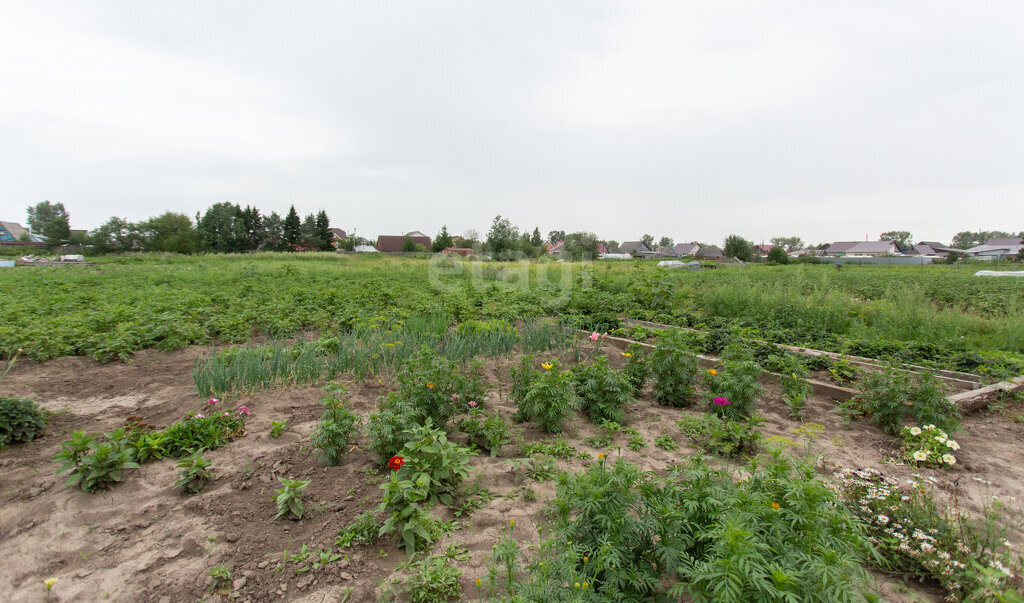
224, 227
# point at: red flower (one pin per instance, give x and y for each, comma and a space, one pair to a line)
396, 463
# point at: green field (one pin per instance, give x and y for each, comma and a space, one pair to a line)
937, 315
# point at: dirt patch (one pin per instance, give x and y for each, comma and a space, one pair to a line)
143, 540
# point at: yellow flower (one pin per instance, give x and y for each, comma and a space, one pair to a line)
512, 524
711, 372
478, 582
49, 582
586, 559
627, 354
584, 585
577, 585
547, 366
600, 456
775, 506
430, 386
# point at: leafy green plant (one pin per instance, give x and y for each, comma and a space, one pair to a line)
148, 446
603, 391
429, 471
471, 500
549, 400
720, 436
277, 428
362, 530
21, 420
435, 579
795, 388
336, 428
539, 467
504, 564
666, 442
733, 392
289, 497
220, 579
674, 370
195, 473
523, 376
637, 443
843, 372
95, 465
487, 431
888, 396
197, 432
928, 446
636, 367
559, 448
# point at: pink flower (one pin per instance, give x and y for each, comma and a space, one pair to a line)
214, 400
200, 416
721, 401
226, 413
594, 336
456, 396
472, 404
244, 410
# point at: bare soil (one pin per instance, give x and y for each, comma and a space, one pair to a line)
145, 541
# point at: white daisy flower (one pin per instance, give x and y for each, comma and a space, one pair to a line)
915, 431
920, 455
949, 459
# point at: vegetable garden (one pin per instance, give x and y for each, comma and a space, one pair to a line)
316, 426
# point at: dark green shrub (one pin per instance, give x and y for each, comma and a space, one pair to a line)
719, 436
21, 420
197, 432
888, 396
523, 376
795, 388
549, 400
195, 473
603, 391
733, 392
95, 465
487, 432
336, 428
674, 369
636, 368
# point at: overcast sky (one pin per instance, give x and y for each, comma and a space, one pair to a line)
825, 120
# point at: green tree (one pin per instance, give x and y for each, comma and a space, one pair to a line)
788, 243
222, 228
324, 235
535, 239
410, 246
50, 220
115, 235
968, 239
648, 240
666, 242
902, 238
502, 239
292, 229
581, 244
555, 236
308, 238
273, 232
170, 232
776, 255
738, 247
442, 241
253, 223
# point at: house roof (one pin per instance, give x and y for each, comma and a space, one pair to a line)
686, 248
634, 247
393, 243
1009, 241
765, 248
414, 234
710, 252
989, 249
862, 247
14, 229
339, 233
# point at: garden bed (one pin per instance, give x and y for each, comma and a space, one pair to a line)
143, 540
